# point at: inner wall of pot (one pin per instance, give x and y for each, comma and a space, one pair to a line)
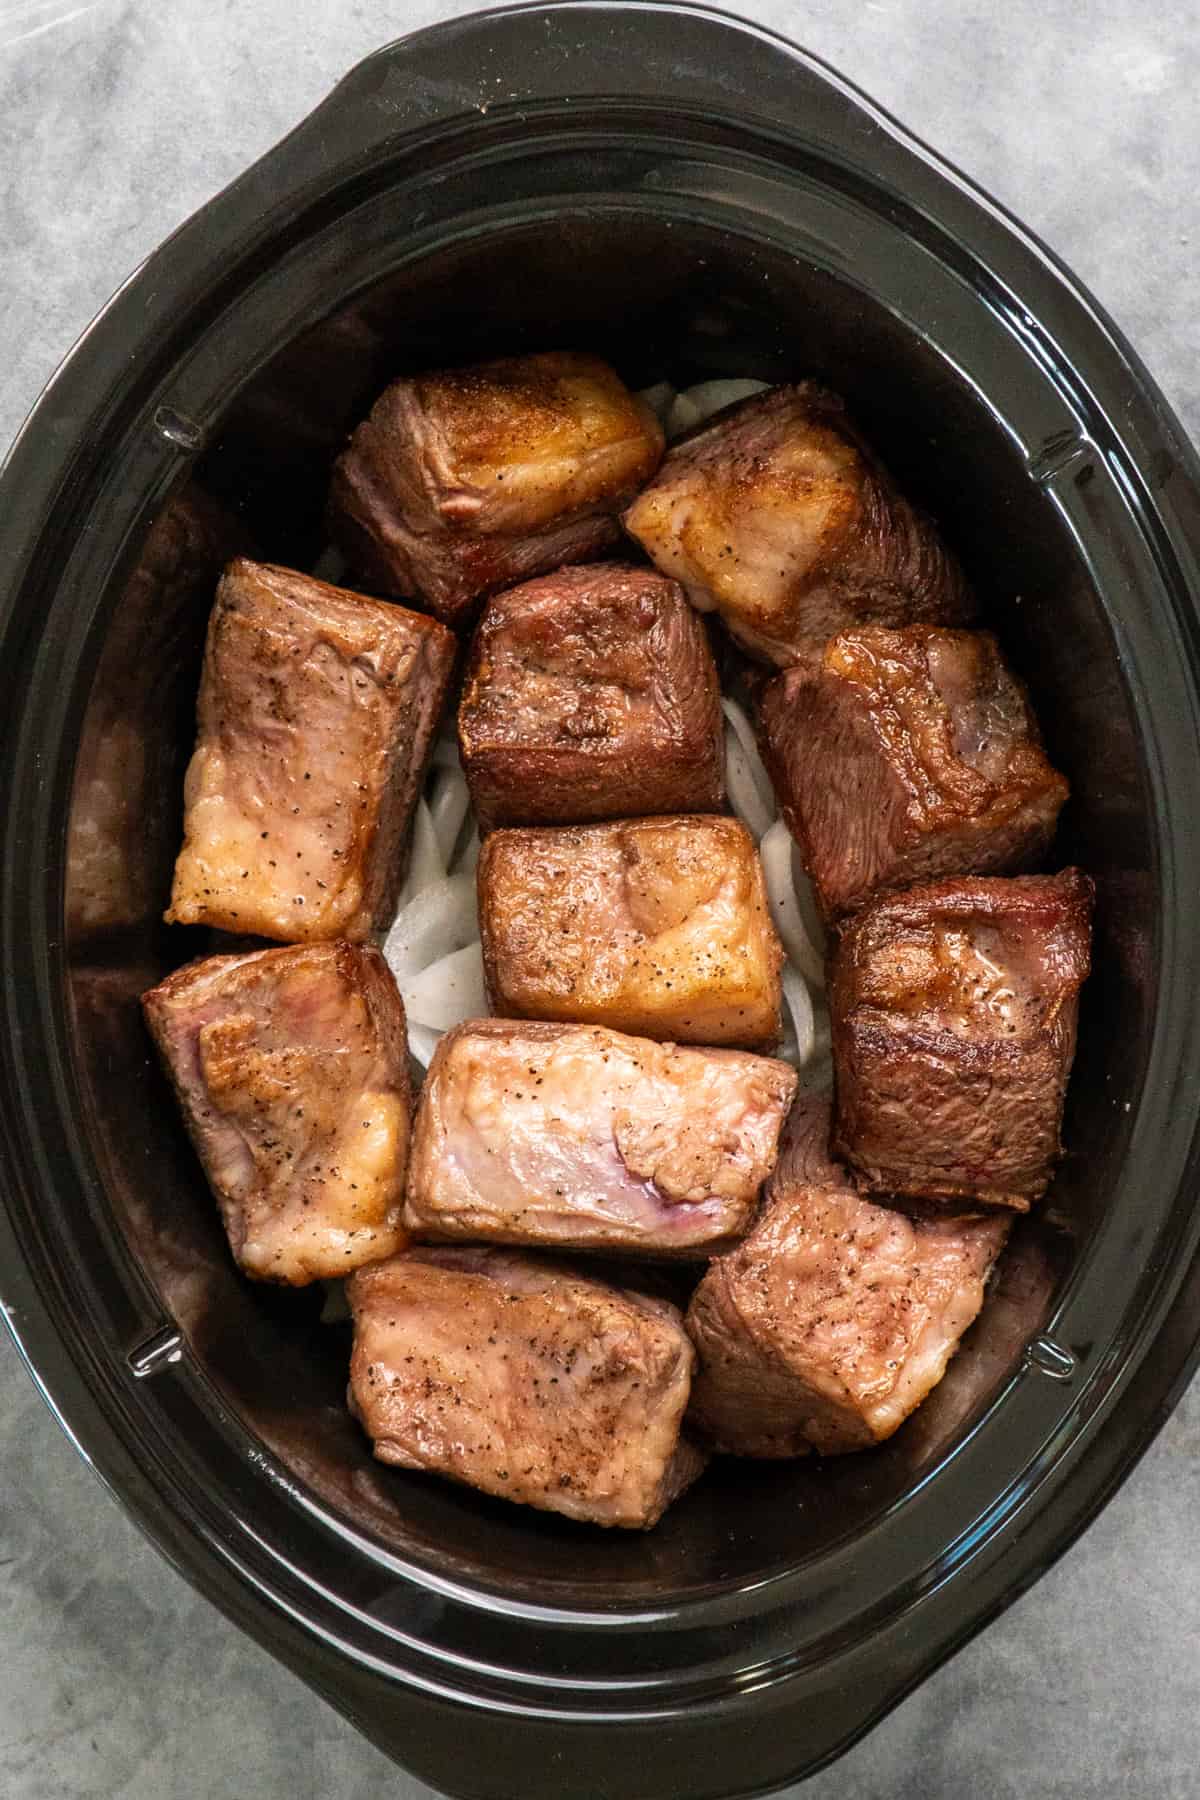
660, 299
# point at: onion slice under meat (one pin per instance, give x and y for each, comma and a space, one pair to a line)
779, 871
744, 796
448, 991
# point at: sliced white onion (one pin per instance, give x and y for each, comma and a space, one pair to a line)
744, 796
816, 1074
448, 806
658, 398
779, 872
422, 1042
445, 751
467, 859
448, 991
709, 397
437, 921
682, 416
695, 404
744, 730
798, 1001
425, 863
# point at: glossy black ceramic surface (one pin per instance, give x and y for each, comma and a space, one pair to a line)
690, 196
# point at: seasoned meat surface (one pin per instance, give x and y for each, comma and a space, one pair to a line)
834, 1318
466, 480
953, 1009
523, 1378
898, 756
591, 694
291, 1067
317, 709
778, 515
575, 1136
654, 926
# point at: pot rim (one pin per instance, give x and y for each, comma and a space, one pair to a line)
414, 92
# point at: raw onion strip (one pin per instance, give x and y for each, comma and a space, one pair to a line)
700, 402
798, 1001
448, 991
425, 863
436, 922
445, 751
744, 730
448, 807
659, 399
422, 1042
778, 861
744, 796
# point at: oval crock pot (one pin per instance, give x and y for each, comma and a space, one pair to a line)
689, 195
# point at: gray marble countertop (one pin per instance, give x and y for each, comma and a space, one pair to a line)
117, 120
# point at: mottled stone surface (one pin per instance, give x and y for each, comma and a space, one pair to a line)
116, 121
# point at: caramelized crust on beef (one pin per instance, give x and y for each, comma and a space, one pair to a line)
522, 1378
466, 480
898, 756
574, 1136
316, 714
591, 694
777, 514
655, 926
953, 1009
834, 1318
291, 1068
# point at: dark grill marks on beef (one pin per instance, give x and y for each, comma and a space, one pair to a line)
462, 481
591, 694
777, 514
953, 1009
898, 756
834, 1317
521, 1377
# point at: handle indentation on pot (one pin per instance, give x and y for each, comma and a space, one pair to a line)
1050, 1359
157, 1352
178, 429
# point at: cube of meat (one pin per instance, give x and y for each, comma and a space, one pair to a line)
655, 926
574, 1136
898, 756
317, 710
591, 694
834, 1318
778, 515
953, 1009
291, 1067
466, 480
520, 1377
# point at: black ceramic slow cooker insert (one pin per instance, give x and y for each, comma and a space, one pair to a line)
689, 196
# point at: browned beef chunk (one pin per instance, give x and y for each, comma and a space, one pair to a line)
778, 515
291, 1067
575, 1136
656, 926
953, 1009
591, 694
902, 755
466, 480
521, 1377
316, 713
834, 1317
